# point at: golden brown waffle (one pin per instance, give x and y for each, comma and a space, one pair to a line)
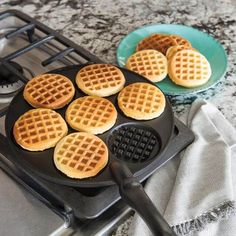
100, 80
149, 63
141, 101
52, 91
189, 68
80, 155
181, 41
91, 114
159, 42
39, 129
172, 50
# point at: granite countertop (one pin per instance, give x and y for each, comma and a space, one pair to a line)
100, 25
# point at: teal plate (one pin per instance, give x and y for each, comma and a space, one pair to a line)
208, 46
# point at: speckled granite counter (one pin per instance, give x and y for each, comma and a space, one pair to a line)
100, 25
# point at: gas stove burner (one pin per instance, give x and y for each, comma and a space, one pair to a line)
9, 82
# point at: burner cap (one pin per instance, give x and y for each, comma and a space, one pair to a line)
9, 82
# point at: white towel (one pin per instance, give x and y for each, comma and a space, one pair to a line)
196, 194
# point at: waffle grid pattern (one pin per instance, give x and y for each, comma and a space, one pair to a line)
141, 97
174, 49
49, 88
39, 125
190, 65
157, 42
90, 111
148, 63
100, 76
180, 41
134, 144
81, 152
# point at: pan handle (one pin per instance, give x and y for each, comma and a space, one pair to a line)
132, 192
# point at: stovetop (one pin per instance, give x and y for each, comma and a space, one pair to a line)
29, 48
81, 209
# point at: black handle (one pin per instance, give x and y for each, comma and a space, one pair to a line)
133, 194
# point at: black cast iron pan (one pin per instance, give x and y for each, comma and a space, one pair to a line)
134, 148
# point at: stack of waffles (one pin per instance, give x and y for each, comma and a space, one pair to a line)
160, 54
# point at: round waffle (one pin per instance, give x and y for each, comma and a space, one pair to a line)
189, 68
172, 50
181, 41
39, 129
141, 101
100, 80
159, 42
149, 63
91, 114
80, 155
52, 91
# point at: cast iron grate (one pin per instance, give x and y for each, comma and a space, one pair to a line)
29, 28
38, 36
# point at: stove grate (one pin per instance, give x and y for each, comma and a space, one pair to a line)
39, 36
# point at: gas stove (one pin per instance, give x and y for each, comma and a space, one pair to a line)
29, 48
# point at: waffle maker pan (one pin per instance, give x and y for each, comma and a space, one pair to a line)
134, 148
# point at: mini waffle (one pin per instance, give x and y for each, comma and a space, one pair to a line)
172, 50
80, 155
159, 42
181, 41
52, 91
39, 129
100, 80
149, 63
189, 68
141, 101
91, 114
